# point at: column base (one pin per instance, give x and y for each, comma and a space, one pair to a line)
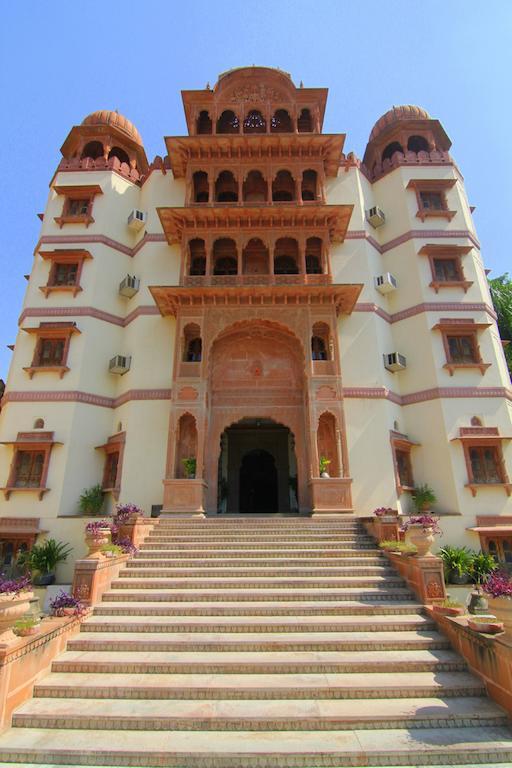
184, 498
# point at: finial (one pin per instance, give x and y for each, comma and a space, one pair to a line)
301, 84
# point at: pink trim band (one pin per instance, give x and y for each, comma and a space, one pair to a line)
99, 314
74, 396
436, 393
426, 306
103, 239
361, 234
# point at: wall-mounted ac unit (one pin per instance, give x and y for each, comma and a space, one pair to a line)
129, 286
120, 364
137, 219
376, 217
385, 283
394, 361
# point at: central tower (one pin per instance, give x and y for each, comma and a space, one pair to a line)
256, 393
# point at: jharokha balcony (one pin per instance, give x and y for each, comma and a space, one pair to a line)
234, 281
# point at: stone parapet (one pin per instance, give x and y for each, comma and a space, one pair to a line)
94, 576
423, 574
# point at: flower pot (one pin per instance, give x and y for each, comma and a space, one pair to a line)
422, 538
96, 541
478, 603
491, 626
459, 578
12, 608
501, 607
324, 474
444, 610
44, 579
27, 631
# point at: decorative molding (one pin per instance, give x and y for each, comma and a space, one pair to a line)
436, 393
426, 306
98, 314
412, 234
103, 239
86, 397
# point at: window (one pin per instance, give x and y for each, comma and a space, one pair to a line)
30, 461
483, 455
461, 349
65, 270
112, 468
446, 266
431, 197
110, 472
446, 269
403, 463
318, 350
460, 344
65, 274
77, 208
401, 448
485, 464
194, 351
52, 347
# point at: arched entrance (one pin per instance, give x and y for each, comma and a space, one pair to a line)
257, 471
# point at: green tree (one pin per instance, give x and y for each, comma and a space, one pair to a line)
501, 294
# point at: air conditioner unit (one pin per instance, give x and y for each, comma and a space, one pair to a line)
129, 286
376, 217
120, 364
137, 219
385, 283
394, 361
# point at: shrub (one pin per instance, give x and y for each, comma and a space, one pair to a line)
423, 497
44, 558
63, 601
482, 565
498, 584
456, 560
91, 500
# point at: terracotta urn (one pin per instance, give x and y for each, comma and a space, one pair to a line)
96, 541
501, 607
422, 538
12, 608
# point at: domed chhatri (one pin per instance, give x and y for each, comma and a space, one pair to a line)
115, 120
396, 115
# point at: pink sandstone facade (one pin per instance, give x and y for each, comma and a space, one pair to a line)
257, 300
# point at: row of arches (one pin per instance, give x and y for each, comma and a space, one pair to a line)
254, 188
95, 150
254, 122
287, 258
321, 343
414, 144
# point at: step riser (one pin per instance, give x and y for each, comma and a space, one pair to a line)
249, 724
125, 610
327, 557
351, 587
281, 546
234, 628
252, 694
260, 668
136, 571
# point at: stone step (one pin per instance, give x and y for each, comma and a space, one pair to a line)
145, 607
250, 662
355, 685
244, 538
153, 559
372, 619
342, 587
253, 749
258, 524
258, 545
254, 715
327, 641
138, 569
259, 554
268, 595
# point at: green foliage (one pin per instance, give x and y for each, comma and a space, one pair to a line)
324, 464
189, 465
44, 558
501, 294
26, 622
114, 548
91, 500
451, 604
456, 560
481, 566
398, 546
423, 497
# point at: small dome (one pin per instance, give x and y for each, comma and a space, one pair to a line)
397, 114
114, 119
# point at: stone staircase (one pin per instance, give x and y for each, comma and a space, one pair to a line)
266, 642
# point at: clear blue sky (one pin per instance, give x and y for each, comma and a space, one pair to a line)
60, 61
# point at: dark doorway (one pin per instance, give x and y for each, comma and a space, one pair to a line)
258, 483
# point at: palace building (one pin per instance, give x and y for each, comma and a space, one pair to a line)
262, 302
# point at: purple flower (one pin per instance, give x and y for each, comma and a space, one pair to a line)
62, 601
97, 528
498, 584
426, 521
381, 511
14, 586
127, 546
125, 511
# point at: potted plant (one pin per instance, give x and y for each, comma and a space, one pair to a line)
482, 564
26, 626
42, 560
15, 597
498, 588
91, 500
457, 563
324, 466
127, 513
66, 605
422, 532
190, 465
386, 514
423, 497
486, 624
97, 534
449, 608
111, 550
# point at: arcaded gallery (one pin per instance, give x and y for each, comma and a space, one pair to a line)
257, 322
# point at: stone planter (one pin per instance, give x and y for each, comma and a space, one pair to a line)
422, 538
12, 608
488, 625
96, 541
501, 607
28, 631
478, 603
444, 610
